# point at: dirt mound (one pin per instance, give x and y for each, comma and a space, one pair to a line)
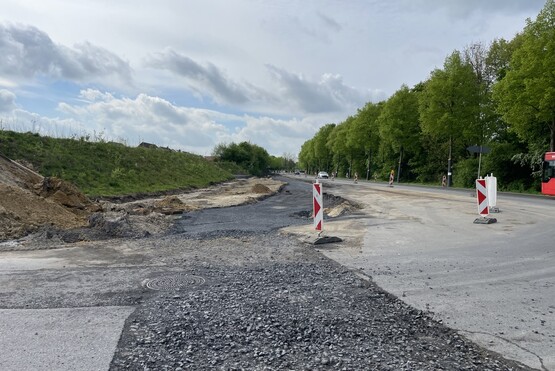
22, 212
13, 173
341, 209
260, 188
64, 193
29, 201
171, 205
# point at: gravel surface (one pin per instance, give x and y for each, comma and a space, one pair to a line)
288, 308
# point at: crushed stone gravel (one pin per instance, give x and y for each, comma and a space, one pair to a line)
286, 308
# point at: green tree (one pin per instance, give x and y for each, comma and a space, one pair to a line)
250, 157
363, 136
499, 57
342, 151
526, 95
306, 156
399, 124
322, 153
449, 106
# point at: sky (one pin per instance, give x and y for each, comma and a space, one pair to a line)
192, 74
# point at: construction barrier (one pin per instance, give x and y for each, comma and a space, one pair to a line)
483, 203
318, 206
482, 196
491, 186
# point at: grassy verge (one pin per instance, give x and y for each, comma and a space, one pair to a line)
110, 169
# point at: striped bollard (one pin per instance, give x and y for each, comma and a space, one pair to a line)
318, 209
483, 205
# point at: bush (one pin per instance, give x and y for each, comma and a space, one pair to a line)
465, 173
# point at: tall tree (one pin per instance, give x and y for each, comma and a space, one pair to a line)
251, 157
340, 147
363, 137
399, 124
449, 104
306, 156
526, 95
322, 154
499, 57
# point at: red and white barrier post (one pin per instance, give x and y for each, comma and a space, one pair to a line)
483, 204
482, 195
318, 214
318, 209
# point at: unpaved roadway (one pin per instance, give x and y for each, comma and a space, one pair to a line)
494, 283
236, 288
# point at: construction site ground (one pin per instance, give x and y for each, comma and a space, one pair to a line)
186, 281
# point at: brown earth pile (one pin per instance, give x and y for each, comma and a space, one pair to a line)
171, 205
64, 193
260, 188
29, 201
22, 212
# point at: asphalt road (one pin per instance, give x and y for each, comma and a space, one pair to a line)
494, 283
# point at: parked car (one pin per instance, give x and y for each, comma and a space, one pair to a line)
323, 175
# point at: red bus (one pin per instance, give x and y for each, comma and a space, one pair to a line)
548, 174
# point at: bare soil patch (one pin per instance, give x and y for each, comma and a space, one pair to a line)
51, 207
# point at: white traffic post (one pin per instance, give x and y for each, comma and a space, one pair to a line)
491, 186
318, 209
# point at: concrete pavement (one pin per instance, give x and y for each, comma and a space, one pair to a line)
62, 339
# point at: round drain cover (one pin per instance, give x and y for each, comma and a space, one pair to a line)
173, 282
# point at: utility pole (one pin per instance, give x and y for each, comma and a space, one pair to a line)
368, 164
399, 166
449, 175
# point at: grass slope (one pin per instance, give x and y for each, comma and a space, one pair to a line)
110, 169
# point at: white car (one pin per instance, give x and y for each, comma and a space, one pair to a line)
323, 175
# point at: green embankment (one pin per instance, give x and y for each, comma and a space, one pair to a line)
111, 169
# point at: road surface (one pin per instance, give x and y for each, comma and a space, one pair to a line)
494, 283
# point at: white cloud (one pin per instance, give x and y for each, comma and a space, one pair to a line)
465, 9
145, 117
204, 79
7, 101
292, 93
28, 52
275, 135
156, 120
24, 121
329, 94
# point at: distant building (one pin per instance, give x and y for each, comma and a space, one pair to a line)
148, 145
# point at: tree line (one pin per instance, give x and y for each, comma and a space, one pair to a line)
499, 97
252, 159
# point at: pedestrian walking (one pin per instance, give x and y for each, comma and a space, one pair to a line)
443, 181
391, 177
356, 177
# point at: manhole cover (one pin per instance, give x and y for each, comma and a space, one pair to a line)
174, 282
